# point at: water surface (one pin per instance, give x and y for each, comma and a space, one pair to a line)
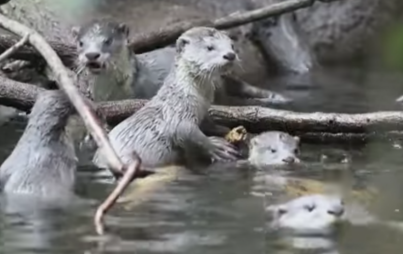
222, 210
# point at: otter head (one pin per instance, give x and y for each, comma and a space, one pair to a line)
205, 50
307, 215
273, 148
99, 42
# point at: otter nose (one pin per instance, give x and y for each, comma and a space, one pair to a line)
230, 56
93, 55
289, 159
336, 211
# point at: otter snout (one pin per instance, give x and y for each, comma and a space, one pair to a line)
230, 56
92, 56
291, 160
336, 211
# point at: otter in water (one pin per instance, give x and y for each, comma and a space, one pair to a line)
43, 163
307, 215
267, 148
273, 148
319, 214
117, 73
164, 129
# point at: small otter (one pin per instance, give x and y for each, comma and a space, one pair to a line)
168, 125
307, 215
319, 214
266, 148
273, 148
43, 162
117, 73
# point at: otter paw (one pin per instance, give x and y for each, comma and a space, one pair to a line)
221, 150
236, 135
275, 99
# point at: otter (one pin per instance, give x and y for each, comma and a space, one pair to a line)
166, 128
273, 148
319, 215
307, 215
43, 163
268, 148
334, 32
116, 73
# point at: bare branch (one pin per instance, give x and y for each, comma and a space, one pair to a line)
255, 119
146, 42
6, 54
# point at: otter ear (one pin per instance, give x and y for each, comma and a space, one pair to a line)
75, 30
297, 139
180, 44
123, 29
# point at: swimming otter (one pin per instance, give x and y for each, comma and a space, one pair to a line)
267, 148
307, 215
168, 125
114, 72
273, 148
43, 163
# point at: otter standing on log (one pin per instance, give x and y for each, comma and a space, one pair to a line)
117, 73
43, 163
163, 130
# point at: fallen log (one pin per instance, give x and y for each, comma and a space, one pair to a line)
146, 42
255, 119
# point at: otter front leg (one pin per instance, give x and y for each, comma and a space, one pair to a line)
189, 135
241, 93
210, 128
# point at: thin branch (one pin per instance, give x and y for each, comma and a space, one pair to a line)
158, 39
6, 54
132, 170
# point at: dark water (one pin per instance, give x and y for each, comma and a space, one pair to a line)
222, 211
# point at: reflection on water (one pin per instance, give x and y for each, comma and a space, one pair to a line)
221, 210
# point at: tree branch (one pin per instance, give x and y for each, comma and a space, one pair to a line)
146, 42
313, 126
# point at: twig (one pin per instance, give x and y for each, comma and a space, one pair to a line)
6, 54
146, 42
255, 119
115, 194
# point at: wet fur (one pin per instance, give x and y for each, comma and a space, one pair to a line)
169, 123
146, 72
43, 163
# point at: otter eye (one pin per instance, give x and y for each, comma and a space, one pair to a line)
282, 211
233, 47
108, 41
310, 208
273, 150
296, 151
210, 48
80, 43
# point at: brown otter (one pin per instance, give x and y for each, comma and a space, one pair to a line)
43, 163
168, 125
